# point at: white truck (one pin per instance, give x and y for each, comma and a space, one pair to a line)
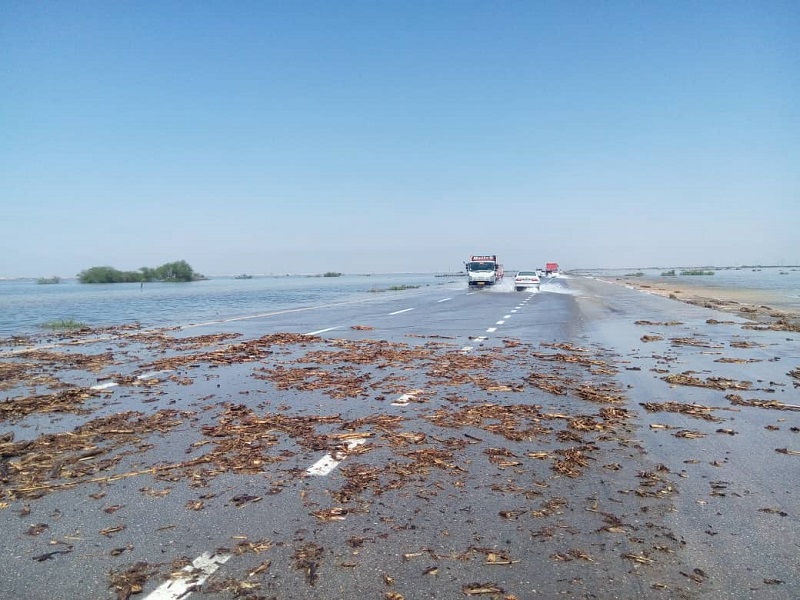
483, 270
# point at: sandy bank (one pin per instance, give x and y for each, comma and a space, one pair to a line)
754, 305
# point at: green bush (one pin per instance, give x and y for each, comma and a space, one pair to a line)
173, 272
670, 273
696, 272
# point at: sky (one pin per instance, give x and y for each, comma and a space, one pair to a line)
397, 136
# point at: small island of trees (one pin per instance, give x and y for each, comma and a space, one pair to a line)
172, 272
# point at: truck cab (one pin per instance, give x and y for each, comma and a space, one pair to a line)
483, 270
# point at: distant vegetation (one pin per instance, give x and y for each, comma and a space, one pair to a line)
637, 274
696, 272
332, 274
670, 273
48, 280
395, 288
65, 324
172, 272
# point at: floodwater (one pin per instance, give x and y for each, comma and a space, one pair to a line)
25, 305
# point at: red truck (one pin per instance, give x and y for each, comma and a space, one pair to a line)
551, 269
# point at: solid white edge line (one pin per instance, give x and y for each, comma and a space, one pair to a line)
322, 330
397, 312
206, 563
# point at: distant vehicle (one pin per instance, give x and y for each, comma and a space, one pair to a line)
483, 270
525, 280
551, 269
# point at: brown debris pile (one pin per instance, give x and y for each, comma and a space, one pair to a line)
737, 400
243, 352
658, 323
132, 580
58, 461
693, 342
606, 393
549, 382
698, 411
66, 401
343, 383
380, 353
717, 383
778, 325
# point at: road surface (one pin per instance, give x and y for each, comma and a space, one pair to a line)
586, 441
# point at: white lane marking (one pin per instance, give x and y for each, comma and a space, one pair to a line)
196, 574
513, 311
506, 316
499, 322
481, 338
443, 300
466, 349
322, 330
274, 313
154, 374
403, 400
397, 312
491, 330
104, 386
328, 463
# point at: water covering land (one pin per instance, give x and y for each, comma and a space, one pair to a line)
592, 440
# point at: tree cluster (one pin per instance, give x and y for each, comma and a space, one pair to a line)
174, 271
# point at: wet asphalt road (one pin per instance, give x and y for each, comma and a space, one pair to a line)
479, 468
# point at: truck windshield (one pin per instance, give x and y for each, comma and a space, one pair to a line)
480, 266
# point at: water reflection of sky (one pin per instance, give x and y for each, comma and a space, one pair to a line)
25, 305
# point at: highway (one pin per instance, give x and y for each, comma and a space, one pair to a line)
438, 442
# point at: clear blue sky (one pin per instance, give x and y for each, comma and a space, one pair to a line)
383, 136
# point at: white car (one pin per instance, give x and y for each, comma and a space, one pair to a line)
525, 280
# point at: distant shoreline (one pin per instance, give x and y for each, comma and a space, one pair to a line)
759, 306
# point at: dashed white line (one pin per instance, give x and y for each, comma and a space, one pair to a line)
328, 463
491, 330
153, 374
499, 322
443, 300
104, 386
196, 573
397, 312
506, 316
403, 400
323, 330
